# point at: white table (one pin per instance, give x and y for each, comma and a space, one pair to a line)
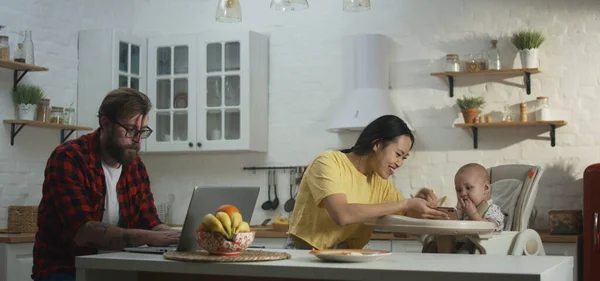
304, 266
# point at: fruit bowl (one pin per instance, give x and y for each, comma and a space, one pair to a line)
217, 244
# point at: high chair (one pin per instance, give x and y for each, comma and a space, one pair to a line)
514, 189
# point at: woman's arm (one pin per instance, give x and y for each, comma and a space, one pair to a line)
344, 214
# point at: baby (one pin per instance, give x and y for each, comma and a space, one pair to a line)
472, 184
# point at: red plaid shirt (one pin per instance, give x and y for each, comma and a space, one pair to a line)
73, 194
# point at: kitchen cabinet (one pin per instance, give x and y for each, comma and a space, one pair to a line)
564, 249
16, 261
108, 59
210, 92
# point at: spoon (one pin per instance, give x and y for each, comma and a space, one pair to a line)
268, 204
289, 204
275, 202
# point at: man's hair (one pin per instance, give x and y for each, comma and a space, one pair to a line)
123, 103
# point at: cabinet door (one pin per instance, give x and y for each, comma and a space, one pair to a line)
223, 87
19, 260
130, 62
172, 90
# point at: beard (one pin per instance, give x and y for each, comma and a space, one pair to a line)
123, 154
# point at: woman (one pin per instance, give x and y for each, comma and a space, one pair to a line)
341, 190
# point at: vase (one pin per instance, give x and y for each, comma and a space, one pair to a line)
529, 58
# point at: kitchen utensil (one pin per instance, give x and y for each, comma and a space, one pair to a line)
289, 204
265, 222
275, 202
268, 205
350, 255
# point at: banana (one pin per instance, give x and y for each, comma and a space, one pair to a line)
213, 224
244, 227
236, 220
226, 222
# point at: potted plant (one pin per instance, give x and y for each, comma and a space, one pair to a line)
26, 98
528, 43
470, 107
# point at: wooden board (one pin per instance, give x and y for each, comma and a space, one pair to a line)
488, 72
47, 125
20, 66
512, 124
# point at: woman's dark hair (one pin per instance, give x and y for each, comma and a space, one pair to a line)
384, 130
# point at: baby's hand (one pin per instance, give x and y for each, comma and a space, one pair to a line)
468, 207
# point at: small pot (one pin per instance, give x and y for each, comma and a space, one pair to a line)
27, 111
470, 114
529, 58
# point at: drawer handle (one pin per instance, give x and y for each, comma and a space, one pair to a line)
595, 229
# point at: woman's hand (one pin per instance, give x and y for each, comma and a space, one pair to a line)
427, 195
421, 209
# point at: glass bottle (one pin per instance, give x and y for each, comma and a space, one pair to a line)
43, 111
57, 117
28, 48
543, 109
4, 48
507, 114
18, 57
493, 56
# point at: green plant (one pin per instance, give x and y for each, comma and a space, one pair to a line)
527, 39
27, 94
474, 102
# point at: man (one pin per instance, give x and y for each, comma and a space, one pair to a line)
96, 192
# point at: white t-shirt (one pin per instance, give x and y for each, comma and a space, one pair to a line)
111, 200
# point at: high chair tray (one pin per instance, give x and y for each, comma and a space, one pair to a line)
410, 225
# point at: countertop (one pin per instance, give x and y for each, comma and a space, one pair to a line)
303, 265
269, 232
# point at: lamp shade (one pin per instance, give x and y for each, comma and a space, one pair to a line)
229, 11
289, 5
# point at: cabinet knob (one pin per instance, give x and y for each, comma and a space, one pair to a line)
190, 144
199, 144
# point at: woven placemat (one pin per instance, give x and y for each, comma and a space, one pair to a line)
247, 255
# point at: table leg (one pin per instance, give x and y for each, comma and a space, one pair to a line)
446, 244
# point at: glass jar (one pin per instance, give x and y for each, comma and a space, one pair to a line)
543, 109
4, 48
452, 64
69, 116
43, 111
56, 116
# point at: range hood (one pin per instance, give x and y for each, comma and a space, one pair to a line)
370, 97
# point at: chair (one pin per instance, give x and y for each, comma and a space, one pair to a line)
514, 188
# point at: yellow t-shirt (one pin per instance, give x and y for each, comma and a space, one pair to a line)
331, 172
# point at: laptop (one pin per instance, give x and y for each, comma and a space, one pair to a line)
206, 200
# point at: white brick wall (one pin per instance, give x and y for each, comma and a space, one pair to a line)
54, 25
309, 75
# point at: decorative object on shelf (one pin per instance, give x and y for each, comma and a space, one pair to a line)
471, 64
229, 11
289, 5
356, 5
19, 56
56, 115
528, 43
470, 107
507, 114
43, 111
22, 219
523, 107
481, 119
26, 98
488, 119
4, 48
452, 63
493, 57
543, 112
566, 221
28, 48
69, 116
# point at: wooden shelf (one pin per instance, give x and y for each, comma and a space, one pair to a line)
525, 72
20, 66
17, 125
552, 124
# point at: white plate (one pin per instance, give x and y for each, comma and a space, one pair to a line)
342, 255
410, 225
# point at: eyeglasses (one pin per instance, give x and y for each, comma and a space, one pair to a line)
132, 133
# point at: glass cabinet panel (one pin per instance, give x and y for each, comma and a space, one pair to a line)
213, 91
135, 59
163, 126
163, 61
180, 126
123, 56
163, 94
213, 57
232, 90
135, 83
129, 65
232, 56
123, 81
213, 125
232, 124
181, 60
180, 88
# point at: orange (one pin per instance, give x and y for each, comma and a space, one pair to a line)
228, 209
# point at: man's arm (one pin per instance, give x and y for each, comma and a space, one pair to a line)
162, 227
104, 236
